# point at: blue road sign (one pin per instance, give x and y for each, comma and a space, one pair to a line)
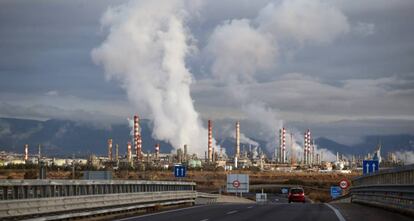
179, 171
336, 192
370, 166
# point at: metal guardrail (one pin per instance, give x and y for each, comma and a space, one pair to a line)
96, 197
391, 189
28, 189
206, 198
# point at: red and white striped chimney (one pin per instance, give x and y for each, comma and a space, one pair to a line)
305, 148
210, 141
283, 145
137, 138
309, 147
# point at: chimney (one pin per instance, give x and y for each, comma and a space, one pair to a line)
210, 141
26, 152
137, 138
110, 149
292, 150
237, 153
185, 152
157, 151
129, 152
283, 145
305, 149
116, 152
309, 160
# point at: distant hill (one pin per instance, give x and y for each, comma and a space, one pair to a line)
390, 143
64, 137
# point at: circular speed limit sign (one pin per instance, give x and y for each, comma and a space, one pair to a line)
236, 184
344, 184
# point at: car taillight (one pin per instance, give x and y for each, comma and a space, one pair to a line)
302, 194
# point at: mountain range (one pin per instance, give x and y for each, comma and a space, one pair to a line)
65, 137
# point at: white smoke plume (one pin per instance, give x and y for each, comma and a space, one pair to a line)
245, 139
145, 50
406, 156
242, 49
229, 130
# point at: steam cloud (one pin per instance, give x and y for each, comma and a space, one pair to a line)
148, 42
242, 49
145, 51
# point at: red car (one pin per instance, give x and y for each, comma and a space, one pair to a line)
296, 194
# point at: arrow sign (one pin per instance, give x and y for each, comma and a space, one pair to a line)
179, 171
370, 166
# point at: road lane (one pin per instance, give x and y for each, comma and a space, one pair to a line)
274, 211
240, 212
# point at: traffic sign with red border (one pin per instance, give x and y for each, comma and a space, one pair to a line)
344, 183
236, 184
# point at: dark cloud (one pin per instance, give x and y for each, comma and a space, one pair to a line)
363, 76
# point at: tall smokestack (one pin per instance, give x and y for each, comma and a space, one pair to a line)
309, 160
137, 138
305, 148
210, 141
292, 151
110, 149
157, 151
237, 152
116, 152
185, 152
283, 145
129, 152
26, 152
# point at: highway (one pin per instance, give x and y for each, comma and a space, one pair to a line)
274, 211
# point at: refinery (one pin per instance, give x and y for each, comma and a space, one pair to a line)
287, 156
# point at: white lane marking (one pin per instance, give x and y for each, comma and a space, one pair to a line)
338, 214
154, 214
231, 212
249, 207
204, 220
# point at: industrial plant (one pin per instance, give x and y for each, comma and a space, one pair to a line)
288, 156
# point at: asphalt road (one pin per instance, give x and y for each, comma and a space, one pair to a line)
273, 211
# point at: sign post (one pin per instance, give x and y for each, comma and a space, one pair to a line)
237, 183
180, 171
370, 166
344, 184
336, 192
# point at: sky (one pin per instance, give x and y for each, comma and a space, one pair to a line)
344, 69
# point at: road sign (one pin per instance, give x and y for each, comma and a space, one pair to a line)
261, 197
180, 171
370, 166
336, 192
285, 190
237, 183
344, 183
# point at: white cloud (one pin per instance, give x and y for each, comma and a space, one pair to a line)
305, 21
239, 52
